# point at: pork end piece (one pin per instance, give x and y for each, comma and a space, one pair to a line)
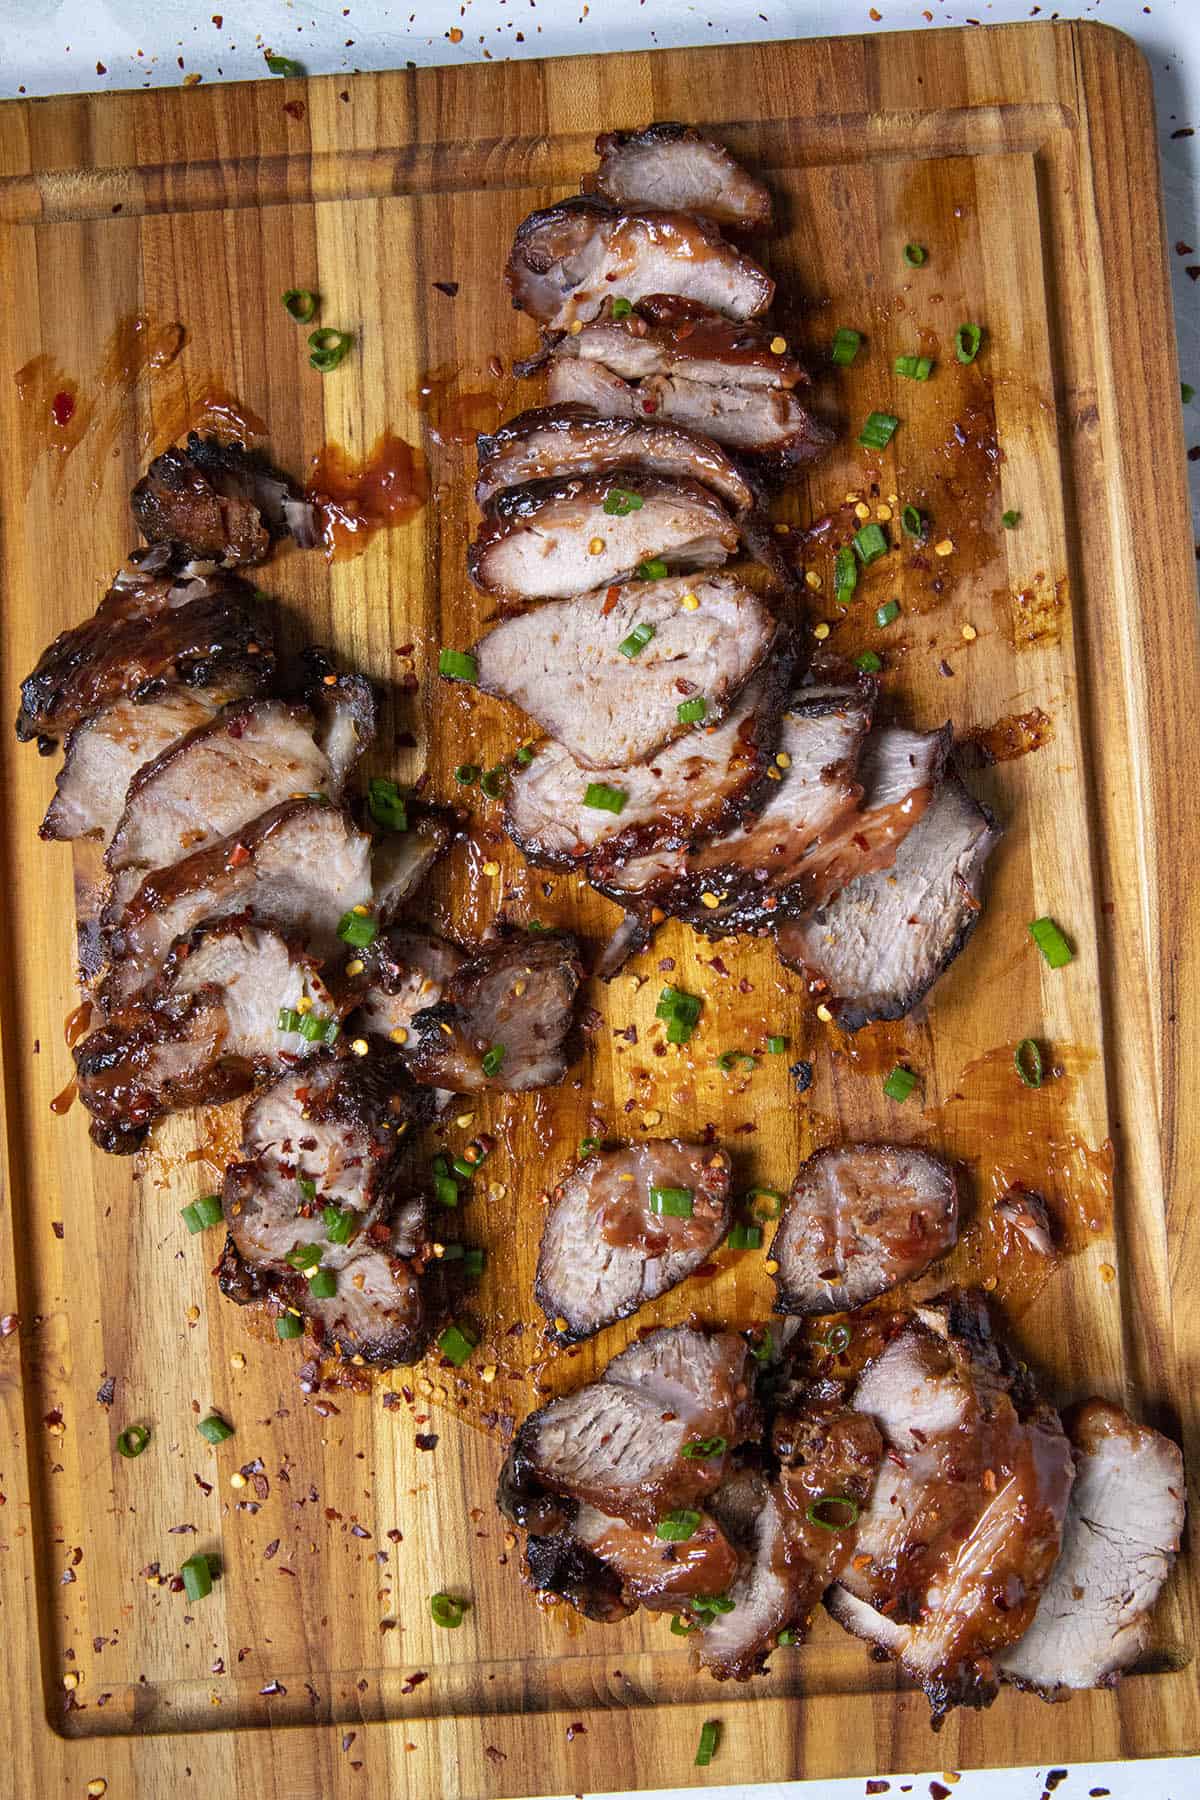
677, 168
504, 1018
217, 502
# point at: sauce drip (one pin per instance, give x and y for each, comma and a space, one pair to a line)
77, 1022
63, 1102
456, 417
357, 499
1016, 734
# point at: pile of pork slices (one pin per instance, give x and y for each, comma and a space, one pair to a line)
691, 768
250, 937
938, 1503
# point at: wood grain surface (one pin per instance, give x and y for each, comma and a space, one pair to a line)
1023, 157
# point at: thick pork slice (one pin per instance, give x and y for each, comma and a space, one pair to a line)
626, 1226
552, 442
875, 950
219, 502
964, 1524
568, 260
859, 1219
606, 674
553, 539
666, 337
675, 167
1122, 1532
503, 1020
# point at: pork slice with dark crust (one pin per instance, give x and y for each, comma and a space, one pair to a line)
675, 167
609, 706
562, 1564
700, 783
859, 1219
568, 260
606, 1251
206, 1032
661, 1576
553, 442
875, 950
213, 500
158, 626
553, 539
1122, 1531
405, 972
696, 344
503, 1020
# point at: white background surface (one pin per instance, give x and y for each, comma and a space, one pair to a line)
58, 46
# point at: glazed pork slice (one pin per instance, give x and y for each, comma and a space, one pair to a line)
612, 1243
400, 860
675, 167
405, 972
663, 337
693, 786
504, 1018
652, 1435
552, 442
605, 674
568, 260
553, 539
219, 502
205, 1033
103, 754
859, 1219
964, 1524
158, 626
875, 950
1123, 1527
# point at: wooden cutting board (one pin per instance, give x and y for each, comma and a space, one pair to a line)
1023, 159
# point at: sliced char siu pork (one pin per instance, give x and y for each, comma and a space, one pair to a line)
674, 167
206, 1031
400, 860
551, 540
663, 1577
964, 1524
666, 336
503, 1020
653, 1434
1123, 1527
551, 443
405, 972
625, 1227
859, 1219
159, 626
605, 674
220, 503
696, 785
569, 259
875, 949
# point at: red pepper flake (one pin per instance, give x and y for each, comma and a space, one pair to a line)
273, 1687
348, 1738
578, 1729
238, 856
359, 1531
449, 288
426, 1440
1055, 1779
270, 1550
1193, 271
9, 1323
1182, 249
494, 1755
395, 1537
414, 1681
878, 1787
218, 20
106, 1392
1184, 131
294, 109
180, 1530
938, 1792
206, 1487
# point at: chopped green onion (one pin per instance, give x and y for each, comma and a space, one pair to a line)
900, 1083
786, 1639
846, 345
197, 1571
467, 774
677, 1527
871, 543
493, 1060
636, 642
133, 1440
692, 712
845, 576
587, 1145
735, 1059
700, 1449
462, 1167
878, 431
339, 1224
287, 1325
386, 804
681, 1012
301, 304
713, 1603
1010, 520
493, 781
706, 1749
763, 1351
445, 1189
914, 522
765, 1203
603, 798
681, 1627
672, 1203
1187, 392
285, 65
620, 502
214, 1428
838, 1340
288, 1020
888, 613
744, 1237
776, 1046
317, 1028
303, 1256
523, 755
307, 1187
473, 1261
354, 927
915, 255
967, 340
913, 368
1027, 1058
1051, 942
621, 308
869, 661
456, 1345
327, 348
813, 1512
202, 1213
447, 1611
653, 569
323, 1285
458, 665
